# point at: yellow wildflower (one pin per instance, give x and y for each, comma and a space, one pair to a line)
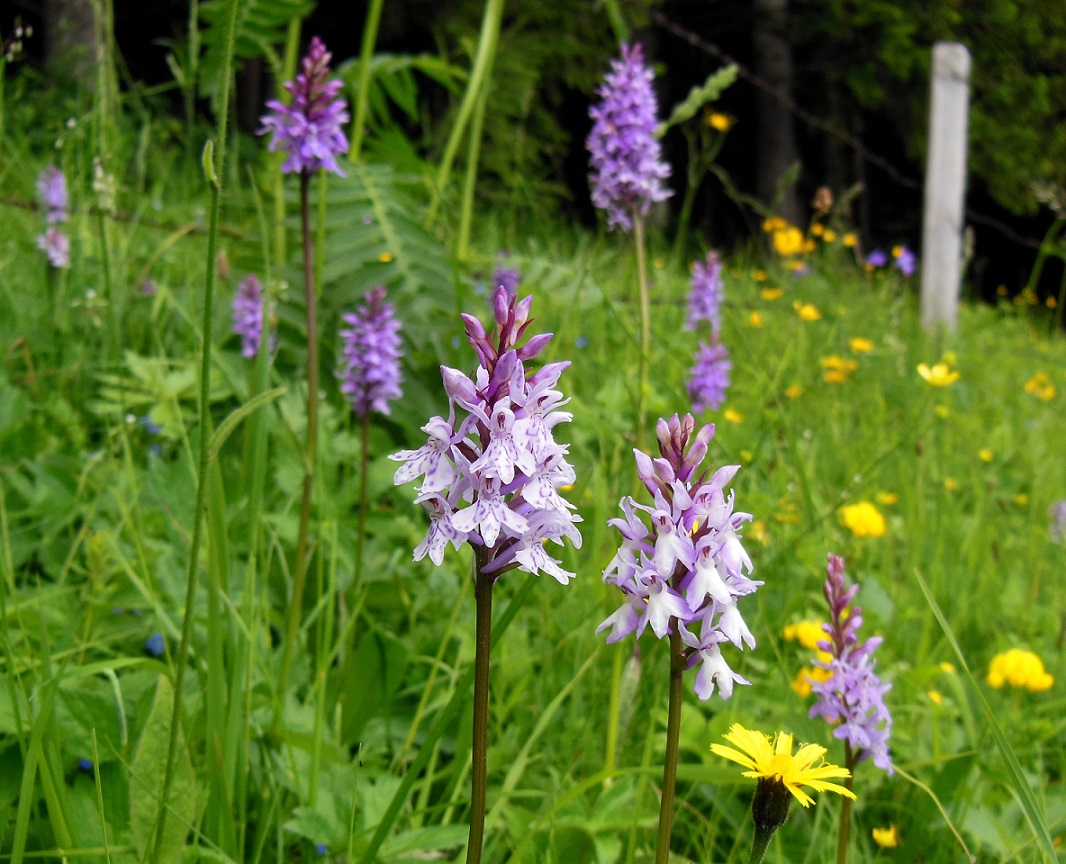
807, 633
1019, 668
774, 223
794, 391
940, 375
385, 257
947, 668
817, 229
772, 760
863, 519
788, 241
887, 838
807, 311
985, 455
1021, 499
757, 531
936, 697
758, 275
771, 293
829, 236
850, 240
951, 484
720, 122
886, 498
733, 416
755, 319
859, 345
1041, 387
837, 369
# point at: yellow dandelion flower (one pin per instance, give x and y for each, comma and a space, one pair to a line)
936, 697
886, 498
1019, 668
807, 633
951, 484
733, 416
720, 122
859, 345
794, 391
771, 293
801, 685
809, 246
850, 240
773, 760
807, 311
817, 229
940, 375
829, 236
755, 319
863, 519
837, 369
947, 668
1021, 499
985, 455
887, 838
774, 223
1041, 387
385, 257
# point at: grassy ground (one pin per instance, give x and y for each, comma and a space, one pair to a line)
98, 481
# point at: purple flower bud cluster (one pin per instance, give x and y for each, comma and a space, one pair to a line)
705, 299
852, 698
52, 191
309, 130
709, 378
369, 369
625, 156
492, 469
508, 277
248, 316
681, 562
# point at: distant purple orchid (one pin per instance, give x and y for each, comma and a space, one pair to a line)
52, 190
681, 562
56, 245
625, 156
1057, 529
309, 130
876, 259
852, 698
369, 370
905, 260
705, 299
508, 277
248, 316
492, 469
709, 378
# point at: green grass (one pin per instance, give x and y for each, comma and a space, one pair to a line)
96, 516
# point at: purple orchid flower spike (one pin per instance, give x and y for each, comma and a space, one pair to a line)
369, 370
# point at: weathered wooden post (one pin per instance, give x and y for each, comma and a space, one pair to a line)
945, 185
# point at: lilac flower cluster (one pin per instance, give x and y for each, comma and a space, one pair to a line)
625, 156
853, 695
309, 130
709, 378
492, 469
248, 316
508, 277
369, 369
688, 568
52, 191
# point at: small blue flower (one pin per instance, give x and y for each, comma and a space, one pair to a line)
581, 341
85, 765
155, 645
321, 848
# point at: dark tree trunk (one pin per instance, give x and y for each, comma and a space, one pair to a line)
70, 39
776, 148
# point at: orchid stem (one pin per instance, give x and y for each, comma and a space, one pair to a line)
482, 647
845, 806
645, 326
673, 736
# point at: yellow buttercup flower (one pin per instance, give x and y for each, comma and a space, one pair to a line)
1021, 499
850, 239
1041, 387
721, 122
755, 319
807, 633
859, 345
807, 311
773, 760
771, 293
794, 391
940, 375
802, 684
829, 236
935, 697
788, 241
863, 519
385, 257
886, 498
951, 484
985, 455
774, 223
837, 369
817, 229
947, 668
887, 838
733, 416
1019, 668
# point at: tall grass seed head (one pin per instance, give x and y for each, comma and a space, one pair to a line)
371, 349
681, 560
625, 157
309, 130
491, 471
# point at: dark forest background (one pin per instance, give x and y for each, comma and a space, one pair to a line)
838, 86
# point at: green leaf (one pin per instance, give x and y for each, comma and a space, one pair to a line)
146, 783
226, 427
713, 87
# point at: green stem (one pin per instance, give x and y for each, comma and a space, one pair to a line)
845, 806
182, 658
759, 845
673, 741
113, 341
370, 36
482, 649
645, 326
310, 457
364, 498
